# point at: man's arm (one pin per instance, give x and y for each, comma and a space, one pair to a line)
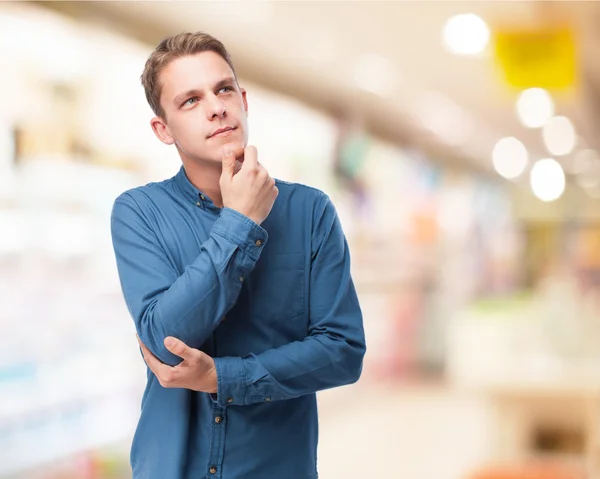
333, 352
188, 306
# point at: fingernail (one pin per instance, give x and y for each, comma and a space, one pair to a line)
169, 342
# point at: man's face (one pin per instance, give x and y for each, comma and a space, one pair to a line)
204, 107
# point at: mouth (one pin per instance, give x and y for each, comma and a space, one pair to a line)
225, 131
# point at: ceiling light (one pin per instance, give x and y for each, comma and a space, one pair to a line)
535, 107
588, 174
465, 34
587, 182
547, 180
509, 157
559, 135
583, 161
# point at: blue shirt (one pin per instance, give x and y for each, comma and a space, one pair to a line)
275, 306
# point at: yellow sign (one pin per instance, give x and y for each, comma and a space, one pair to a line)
544, 58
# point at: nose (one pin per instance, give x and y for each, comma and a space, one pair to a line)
215, 108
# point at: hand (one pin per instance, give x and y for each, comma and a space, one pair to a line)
196, 372
250, 191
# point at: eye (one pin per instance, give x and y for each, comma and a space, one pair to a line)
190, 101
226, 89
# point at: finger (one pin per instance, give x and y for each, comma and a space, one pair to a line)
179, 348
157, 367
269, 180
238, 152
228, 159
250, 158
238, 166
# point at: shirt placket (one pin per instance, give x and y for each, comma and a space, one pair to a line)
217, 448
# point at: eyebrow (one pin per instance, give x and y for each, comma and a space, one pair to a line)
195, 92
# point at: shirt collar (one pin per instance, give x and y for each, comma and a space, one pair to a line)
186, 186
192, 193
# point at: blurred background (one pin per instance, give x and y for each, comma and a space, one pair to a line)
459, 142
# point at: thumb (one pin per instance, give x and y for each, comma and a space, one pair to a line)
179, 348
228, 159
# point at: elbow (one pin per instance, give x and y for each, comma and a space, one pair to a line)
156, 345
353, 362
164, 355
152, 334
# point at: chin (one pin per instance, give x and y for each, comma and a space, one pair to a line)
214, 159
206, 158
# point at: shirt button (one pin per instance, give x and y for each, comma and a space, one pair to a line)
259, 243
212, 470
241, 279
267, 399
198, 203
202, 197
218, 419
229, 400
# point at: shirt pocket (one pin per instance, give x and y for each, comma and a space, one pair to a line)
277, 287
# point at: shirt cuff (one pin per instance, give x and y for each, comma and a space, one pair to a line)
241, 230
231, 382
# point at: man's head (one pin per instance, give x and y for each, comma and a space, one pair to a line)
191, 86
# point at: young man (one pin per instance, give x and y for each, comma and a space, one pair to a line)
239, 286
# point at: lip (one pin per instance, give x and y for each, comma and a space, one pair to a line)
222, 131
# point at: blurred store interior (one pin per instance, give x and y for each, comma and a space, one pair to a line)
459, 142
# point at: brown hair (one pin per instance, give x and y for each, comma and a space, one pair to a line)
169, 49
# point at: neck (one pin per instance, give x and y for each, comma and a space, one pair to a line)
205, 176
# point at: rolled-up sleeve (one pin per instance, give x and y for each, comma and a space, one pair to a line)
188, 306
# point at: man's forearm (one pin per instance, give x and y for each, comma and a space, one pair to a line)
331, 356
190, 306
296, 369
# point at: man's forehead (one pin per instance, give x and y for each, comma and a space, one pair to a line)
202, 70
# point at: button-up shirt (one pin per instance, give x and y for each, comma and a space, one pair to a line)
274, 304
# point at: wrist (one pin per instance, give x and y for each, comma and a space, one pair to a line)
231, 374
254, 218
213, 382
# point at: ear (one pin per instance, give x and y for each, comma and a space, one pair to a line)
161, 130
245, 100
